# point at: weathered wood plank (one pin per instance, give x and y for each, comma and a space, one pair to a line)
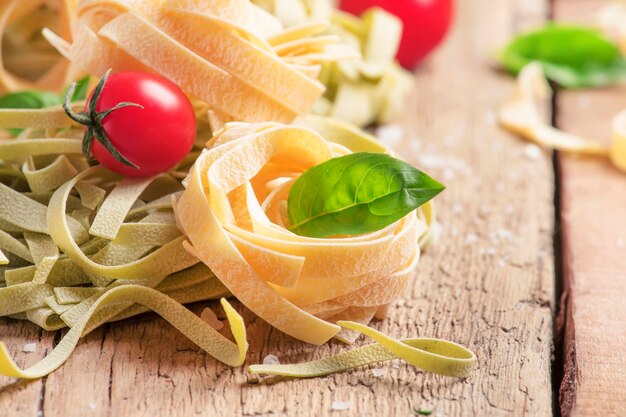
488, 284
23, 398
595, 253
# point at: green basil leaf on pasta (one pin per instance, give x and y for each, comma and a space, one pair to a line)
82, 88
356, 194
28, 100
572, 56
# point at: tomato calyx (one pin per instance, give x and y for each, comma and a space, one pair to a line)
93, 120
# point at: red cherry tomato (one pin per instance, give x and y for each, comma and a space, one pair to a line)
426, 23
155, 137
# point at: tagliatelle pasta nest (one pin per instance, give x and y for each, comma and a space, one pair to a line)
234, 214
372, 89
27, 60
232, 55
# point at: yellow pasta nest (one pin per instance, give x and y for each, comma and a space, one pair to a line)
230, 54
27, 60
234, 213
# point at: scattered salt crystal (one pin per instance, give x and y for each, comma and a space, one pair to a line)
415, 145
471, 238
500, 187
395, 365
532, 152
504, 234
584, 101
271, 360
491, 251
390, 134
436, 230
29, 348
457, 208
620, 242
341, 405
209, 317
501, 263
448, 174
378, 372
491, 118
432, 161
448, 141
92, 406
509, 209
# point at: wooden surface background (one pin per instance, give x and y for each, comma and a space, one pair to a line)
594, 248
490, 284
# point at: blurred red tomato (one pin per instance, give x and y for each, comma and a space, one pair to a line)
426, 23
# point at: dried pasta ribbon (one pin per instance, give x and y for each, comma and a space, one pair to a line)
186, 41
522, 115
190, 325
618, 148
433, 355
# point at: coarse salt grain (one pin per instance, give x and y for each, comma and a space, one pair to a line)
29, 348
390, 134
271, 360
504, 234
620, 242
532, 152
92, 406
341, 405
584, 101
491, 118
471, 238
378, 372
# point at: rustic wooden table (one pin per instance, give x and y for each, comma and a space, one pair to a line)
493, 283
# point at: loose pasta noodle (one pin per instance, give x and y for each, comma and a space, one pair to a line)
522, 115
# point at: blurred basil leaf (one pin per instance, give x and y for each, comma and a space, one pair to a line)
572, 56
28, 100
80, 93
355, 194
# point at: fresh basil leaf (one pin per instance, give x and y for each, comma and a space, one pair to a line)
80, 93
572, 56
28, 100
355, 194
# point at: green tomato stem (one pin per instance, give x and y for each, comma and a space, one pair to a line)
93, 121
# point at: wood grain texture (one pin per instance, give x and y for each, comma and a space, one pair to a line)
594, 198
489, 284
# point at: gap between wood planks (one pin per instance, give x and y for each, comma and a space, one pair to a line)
560, 292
